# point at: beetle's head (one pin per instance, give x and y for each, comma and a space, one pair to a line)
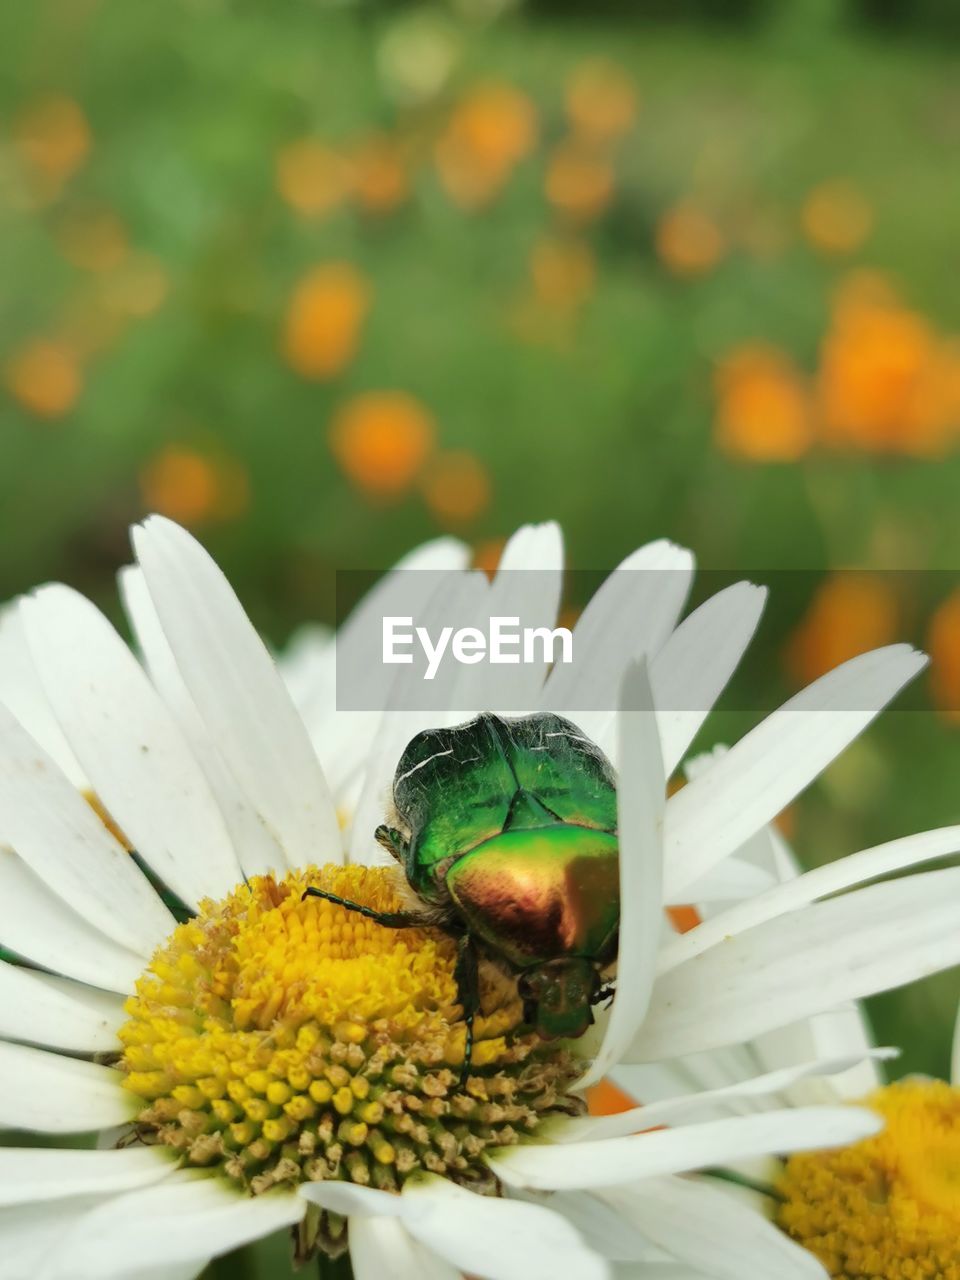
557, 997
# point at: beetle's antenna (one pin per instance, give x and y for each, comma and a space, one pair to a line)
389, 919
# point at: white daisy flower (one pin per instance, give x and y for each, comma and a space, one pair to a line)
275, 1061
888, 1206
771, 1071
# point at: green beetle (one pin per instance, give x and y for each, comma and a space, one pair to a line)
507, 832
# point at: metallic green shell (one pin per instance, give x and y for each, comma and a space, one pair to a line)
457, 788
539, 895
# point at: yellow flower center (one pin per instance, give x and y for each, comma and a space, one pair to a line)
888, 1207
279, 1040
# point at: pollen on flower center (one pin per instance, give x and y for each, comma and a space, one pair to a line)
888, 1207
280, 1040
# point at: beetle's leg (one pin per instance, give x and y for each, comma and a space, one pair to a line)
389, 919
604, 993
467, 978
392, 840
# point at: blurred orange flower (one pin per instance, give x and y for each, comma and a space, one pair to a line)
382, 439
380, 179
579, 181
887, 381
324, 319
688, 241
193, 487
312, 177
489, 132
45, 376
943, 645
601, 100
94, 240
849, 614
52, 137
763, 406
607, 1098
563, 271
456, 487
836, 217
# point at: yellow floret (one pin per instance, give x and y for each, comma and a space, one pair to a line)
282, 1039
887, 1208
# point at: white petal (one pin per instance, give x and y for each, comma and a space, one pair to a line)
53, 1094
176, 1271
752, 870
136, 758
693, 667
373, 805
496, 1239
671, 1110
344, 740
527, 586
696, 766
22, 693
40, 927
398, 589
640, 798
177, 1221
655, 1081
708, 1229
499, 1239
605, 1231
455, 595
812, 959
307, 663
381, 1247
693, 1073
349, 1199
630, 616
406, 589
732, 878
238, 692
437, 554
658, 1271
29, 1233
839, 1032
531, 549
757, 778
256, 851
42, 1010
831, 878
45, 1173
607, 1163
62, 840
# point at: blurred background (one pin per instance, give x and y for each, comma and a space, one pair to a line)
323, 280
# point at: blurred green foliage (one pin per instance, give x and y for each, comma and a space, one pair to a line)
598, 411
